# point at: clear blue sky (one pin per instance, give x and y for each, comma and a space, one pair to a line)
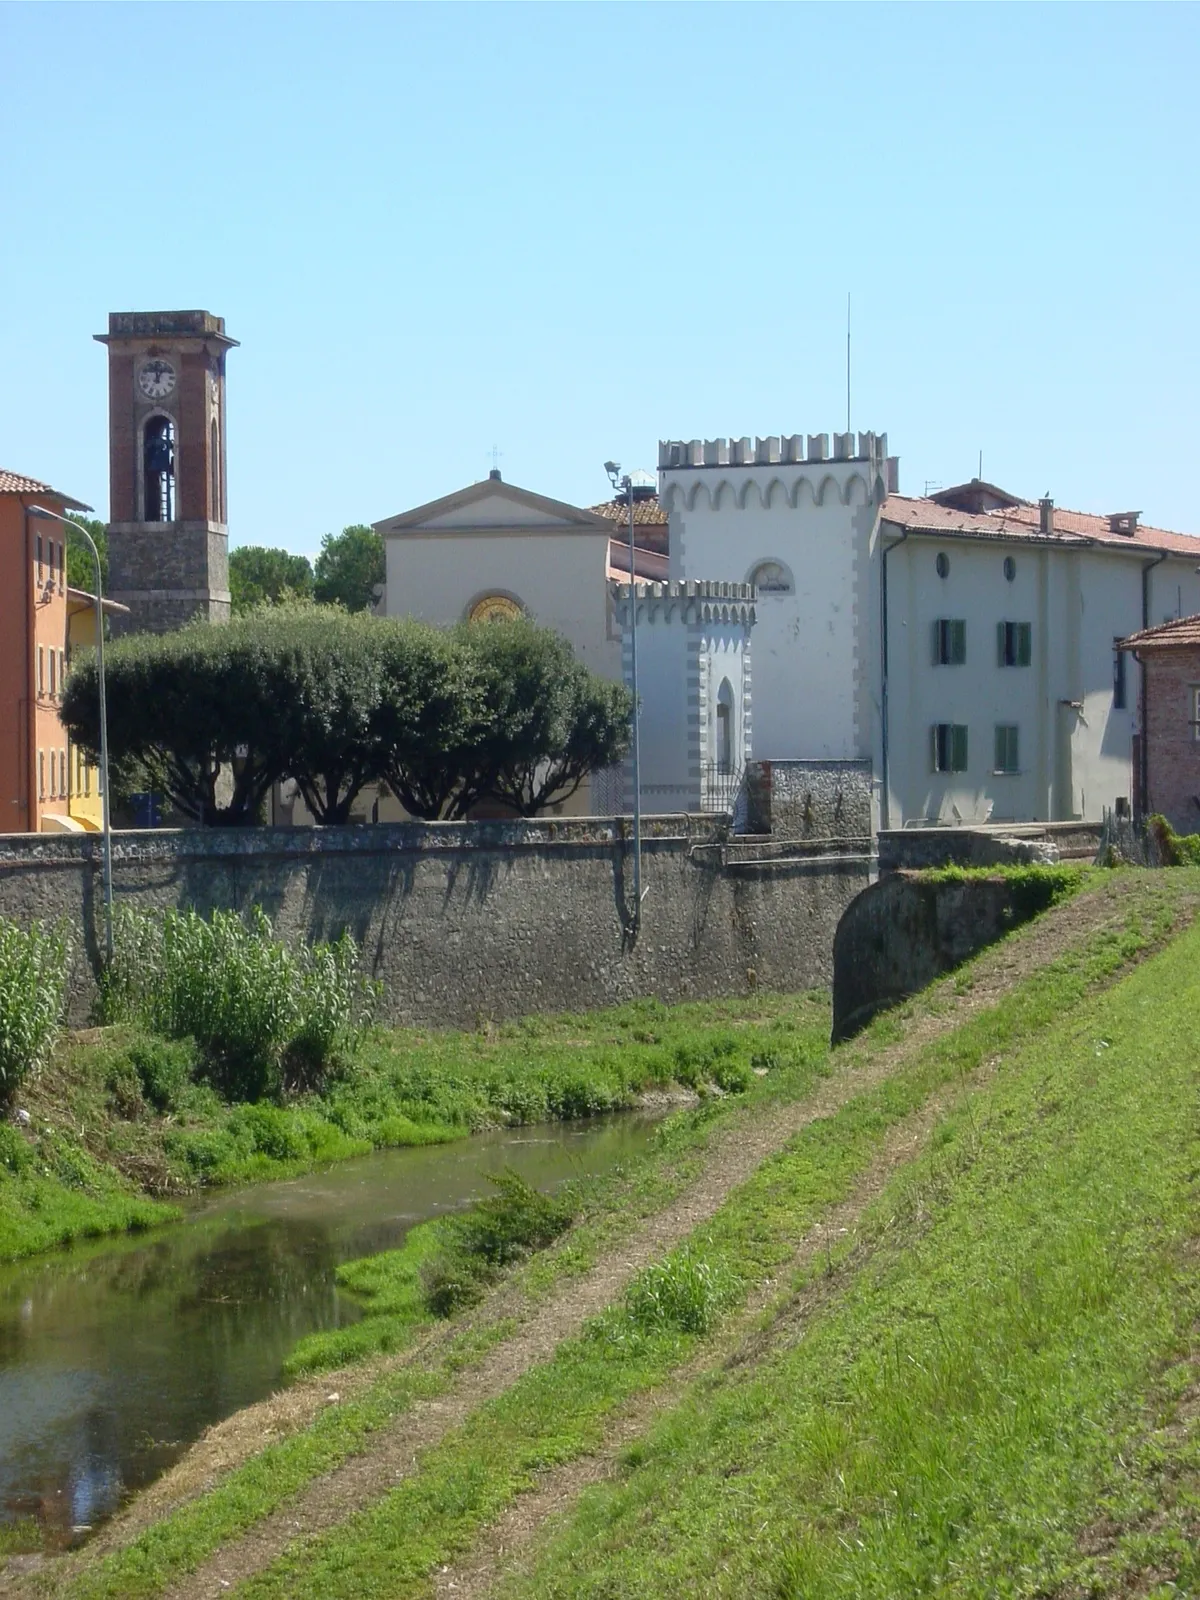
571, 230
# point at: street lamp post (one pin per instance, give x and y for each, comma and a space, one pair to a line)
105, 823
626, 483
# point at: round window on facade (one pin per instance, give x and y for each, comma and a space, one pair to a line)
1010, 568
943, 564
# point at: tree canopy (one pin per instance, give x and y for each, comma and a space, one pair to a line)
260, 576
448, 718
350, 568
81, 569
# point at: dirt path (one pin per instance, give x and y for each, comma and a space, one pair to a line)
394, 1451
508, 1545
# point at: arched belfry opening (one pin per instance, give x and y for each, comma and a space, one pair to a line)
158, 470
214, 462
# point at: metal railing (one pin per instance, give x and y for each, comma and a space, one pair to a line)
720, 786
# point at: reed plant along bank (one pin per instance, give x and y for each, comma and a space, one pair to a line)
33, 985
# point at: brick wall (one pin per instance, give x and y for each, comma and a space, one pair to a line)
1172, 749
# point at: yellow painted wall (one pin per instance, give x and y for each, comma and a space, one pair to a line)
84, 786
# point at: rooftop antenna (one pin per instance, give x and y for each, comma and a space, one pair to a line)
496, 454
981, 466
847, 361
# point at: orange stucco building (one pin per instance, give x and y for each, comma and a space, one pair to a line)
38, 770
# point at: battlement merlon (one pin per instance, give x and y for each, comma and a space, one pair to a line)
137, 325
707, 599
795, 449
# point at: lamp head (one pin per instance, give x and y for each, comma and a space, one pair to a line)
41, 514
614, 471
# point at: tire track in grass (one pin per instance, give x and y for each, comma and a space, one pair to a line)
501, 1550
733, 1156
366, 1483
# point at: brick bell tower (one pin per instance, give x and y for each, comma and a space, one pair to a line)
168, 538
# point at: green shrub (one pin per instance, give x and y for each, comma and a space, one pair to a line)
16, 1153
265, 1018
453, 1283
268, 1131
513, 1222
1174, 849
33, 990
164, 1068
682, 1293
733, 1077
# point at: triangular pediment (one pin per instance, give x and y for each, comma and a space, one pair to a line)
494, 507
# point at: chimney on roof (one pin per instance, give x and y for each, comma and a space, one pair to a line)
494, 475
1123, 522
1046, 514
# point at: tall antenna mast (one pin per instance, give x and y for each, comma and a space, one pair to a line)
847, 361
981, 466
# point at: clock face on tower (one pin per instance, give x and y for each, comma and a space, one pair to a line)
156, 378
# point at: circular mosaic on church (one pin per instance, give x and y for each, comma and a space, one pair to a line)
494, 608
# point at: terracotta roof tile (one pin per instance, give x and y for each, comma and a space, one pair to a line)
17, 483
645, 512
1182, 632
1023, 522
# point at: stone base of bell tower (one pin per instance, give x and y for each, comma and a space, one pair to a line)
168, 573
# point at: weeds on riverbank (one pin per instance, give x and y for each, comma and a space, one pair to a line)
130, 1114
265, 1017
33, 984
442, 1267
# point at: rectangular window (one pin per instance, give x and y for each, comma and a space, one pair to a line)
1014, 643
1196, 711
53, 676
39, 558
1119, 701
87, 780
41, 672
949, 642
1007, 757
41, 774
62, 563
62, 775
53, 773
62, 670
949, 747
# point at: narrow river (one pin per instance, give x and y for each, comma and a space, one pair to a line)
114, 1357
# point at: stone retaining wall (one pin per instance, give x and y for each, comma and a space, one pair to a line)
469, 921
901, 933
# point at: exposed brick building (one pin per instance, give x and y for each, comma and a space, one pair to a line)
168, 537
1169, 779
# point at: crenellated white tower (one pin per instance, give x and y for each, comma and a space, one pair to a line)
797, 521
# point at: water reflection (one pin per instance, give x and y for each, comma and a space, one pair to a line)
114, 1357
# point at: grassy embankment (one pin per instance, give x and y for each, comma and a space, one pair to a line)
119, 1115
561, 1408
991, 1403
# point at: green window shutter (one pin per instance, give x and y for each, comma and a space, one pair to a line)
959, 655
937, 644
933, 748
958, 750
1024, 643
998, 764
1000, 661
